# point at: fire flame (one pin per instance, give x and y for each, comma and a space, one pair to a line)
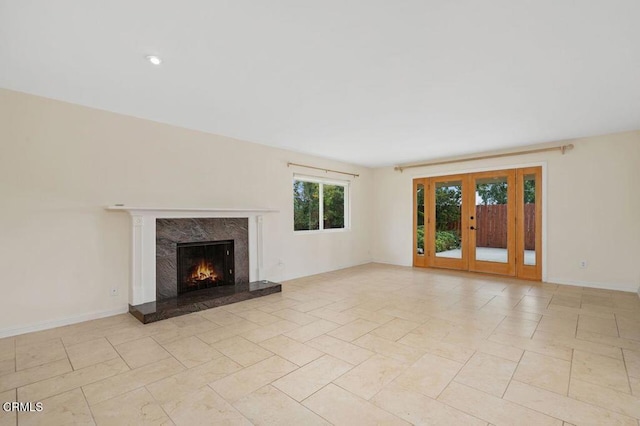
202, 271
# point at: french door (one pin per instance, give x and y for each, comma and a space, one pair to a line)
483, 222
491, 210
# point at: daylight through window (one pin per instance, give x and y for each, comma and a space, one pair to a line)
319, 205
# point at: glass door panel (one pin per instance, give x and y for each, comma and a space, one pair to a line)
529, 223
419, 194
448, 219
492, 220
448, 224
529, 219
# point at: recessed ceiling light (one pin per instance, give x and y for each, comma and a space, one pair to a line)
154, 60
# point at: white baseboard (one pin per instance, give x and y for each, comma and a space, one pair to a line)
45, 325
386, 262
604, 286
323, 271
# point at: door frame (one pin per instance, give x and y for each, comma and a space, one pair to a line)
508, 268
430, 237
544, 187
529, 272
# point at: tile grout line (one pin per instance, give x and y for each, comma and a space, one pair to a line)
115, 396
615, 318
359, 397
626, 369
512, 375
599, 407
533, 409
301, 402
86, 401
462, 410
457, 373
57, 393
67, 354
573, 353
119, 354
537, 326
44, 363
231, 405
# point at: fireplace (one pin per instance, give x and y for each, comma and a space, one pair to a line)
203, 265
203, 244
215, 250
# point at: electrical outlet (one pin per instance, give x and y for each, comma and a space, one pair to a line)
583, 264
114, 291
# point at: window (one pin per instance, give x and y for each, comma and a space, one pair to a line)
320, 204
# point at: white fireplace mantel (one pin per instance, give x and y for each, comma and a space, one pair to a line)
142, 286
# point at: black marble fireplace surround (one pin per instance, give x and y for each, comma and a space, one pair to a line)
172, 232
193, 232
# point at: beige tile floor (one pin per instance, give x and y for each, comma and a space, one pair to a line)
373, 344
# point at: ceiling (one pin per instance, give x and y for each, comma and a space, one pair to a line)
370, 82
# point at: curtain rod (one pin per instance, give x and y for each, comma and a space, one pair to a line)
562, 149
324, 170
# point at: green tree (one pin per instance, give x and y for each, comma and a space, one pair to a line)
420, 220
420, 200
448, 204
492, 193
496, 193
306, 202
530, 191
333, 206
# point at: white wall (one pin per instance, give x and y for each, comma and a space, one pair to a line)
593, 210
62, 164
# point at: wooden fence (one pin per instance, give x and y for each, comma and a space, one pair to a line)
491, 226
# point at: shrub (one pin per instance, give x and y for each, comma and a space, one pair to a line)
446, 240
420, 234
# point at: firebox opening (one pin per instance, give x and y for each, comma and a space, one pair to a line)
204, 264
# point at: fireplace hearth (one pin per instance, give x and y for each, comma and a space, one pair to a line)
204, 265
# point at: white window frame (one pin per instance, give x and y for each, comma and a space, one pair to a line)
347, 203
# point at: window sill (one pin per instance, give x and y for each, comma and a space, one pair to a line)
322, 231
